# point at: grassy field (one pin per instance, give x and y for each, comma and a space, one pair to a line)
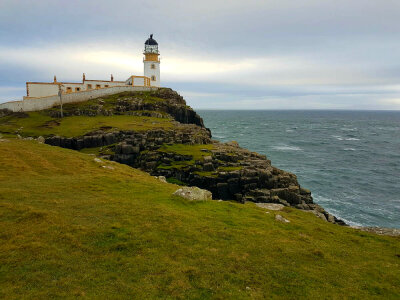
38, 123
70, 227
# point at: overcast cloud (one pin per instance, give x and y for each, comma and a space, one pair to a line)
219, 54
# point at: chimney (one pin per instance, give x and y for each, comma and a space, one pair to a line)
112, 77
83, 77
55, 78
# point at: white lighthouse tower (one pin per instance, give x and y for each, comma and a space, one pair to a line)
151, 61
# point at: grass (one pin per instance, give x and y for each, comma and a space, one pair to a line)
177, 165
38, 123
182, 149
71, 228
110, 101
173, 180
104, 150
195, 151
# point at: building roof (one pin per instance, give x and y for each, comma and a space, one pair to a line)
151, 41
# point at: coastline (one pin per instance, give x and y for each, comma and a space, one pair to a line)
347, 159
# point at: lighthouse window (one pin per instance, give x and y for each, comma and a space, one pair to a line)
77, 89
153, 78
153, 66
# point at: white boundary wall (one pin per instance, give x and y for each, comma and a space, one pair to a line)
35, 104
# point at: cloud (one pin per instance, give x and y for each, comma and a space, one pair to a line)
10, 93
267, 51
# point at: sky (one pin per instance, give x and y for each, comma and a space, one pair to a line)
267, 54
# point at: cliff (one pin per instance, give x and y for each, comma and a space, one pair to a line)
173, 142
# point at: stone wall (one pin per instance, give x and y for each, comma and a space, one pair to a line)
35, 104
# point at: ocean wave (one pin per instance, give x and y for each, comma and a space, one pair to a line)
287, 148
349, 149
352, 139
324, 201
348, 129
289, 130
338, 137
347, 221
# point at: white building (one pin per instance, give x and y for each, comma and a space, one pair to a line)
151, 78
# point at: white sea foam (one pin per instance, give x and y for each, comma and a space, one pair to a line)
325, 200
289, 130
287, 148
348, 129
352, 139
338, 137
349, 149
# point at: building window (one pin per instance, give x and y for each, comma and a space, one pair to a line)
153, 78
153, 66
89, 86
98, 86
77, 89
106, 85
69, 90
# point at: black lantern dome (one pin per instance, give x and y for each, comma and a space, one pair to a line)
151, 41
151, 46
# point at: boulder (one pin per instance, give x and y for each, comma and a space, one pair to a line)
318, 214
207, 159
330, 218
281, 219
193, 194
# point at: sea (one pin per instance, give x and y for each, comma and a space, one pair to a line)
350, 160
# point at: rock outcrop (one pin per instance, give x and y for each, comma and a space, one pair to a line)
228, 171
132, 142
193, 193
159, 104
233, 173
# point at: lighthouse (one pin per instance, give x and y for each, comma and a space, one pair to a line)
151, 61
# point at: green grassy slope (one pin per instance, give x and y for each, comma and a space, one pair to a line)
69, 227
38, 123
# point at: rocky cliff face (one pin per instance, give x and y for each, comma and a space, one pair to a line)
187, 154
